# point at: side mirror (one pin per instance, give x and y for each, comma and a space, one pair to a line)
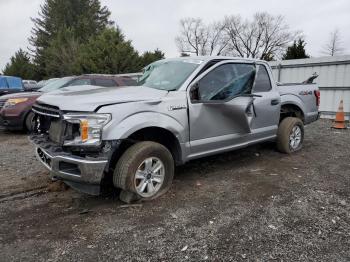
194, 92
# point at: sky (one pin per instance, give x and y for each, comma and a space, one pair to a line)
155, 23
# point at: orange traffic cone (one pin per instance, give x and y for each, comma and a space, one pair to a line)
339, 121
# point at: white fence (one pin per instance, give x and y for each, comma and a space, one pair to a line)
333, 80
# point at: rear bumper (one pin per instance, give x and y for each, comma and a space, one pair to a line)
311, 117
82, 173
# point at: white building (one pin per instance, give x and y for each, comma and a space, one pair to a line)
333, 80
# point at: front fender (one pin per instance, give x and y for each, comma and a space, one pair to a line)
133, 123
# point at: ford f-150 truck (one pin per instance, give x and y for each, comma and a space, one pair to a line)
182, 109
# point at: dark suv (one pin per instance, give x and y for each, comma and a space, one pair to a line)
15, 109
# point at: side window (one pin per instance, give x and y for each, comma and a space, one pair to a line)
105, 82
79, 82
224, 82
262, 82
3, 83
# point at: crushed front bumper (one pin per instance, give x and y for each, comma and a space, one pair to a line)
82, 173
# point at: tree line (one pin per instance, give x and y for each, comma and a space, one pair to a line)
76, 37
265, 37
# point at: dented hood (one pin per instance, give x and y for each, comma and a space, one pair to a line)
89, 98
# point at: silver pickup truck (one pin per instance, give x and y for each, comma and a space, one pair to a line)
183, 109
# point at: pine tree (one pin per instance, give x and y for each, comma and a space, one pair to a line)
83, 18
61, 56
149, 57
109, 53
20, 65
76, 36
296, 50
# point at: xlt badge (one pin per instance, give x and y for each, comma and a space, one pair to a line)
177, 107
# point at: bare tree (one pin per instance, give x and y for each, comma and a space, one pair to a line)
217, 39
334, 45
264, 37
199, 39
191, 36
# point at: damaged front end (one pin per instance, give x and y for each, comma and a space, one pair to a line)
70, 146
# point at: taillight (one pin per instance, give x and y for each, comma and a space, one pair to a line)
318, 97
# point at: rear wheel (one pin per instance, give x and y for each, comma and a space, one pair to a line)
146, 169
290, 135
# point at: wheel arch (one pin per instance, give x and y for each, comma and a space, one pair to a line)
151, 133
290, 109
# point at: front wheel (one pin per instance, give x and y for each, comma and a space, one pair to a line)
146, 169
28, 121
290, 135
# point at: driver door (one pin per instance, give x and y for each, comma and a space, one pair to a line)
221, 108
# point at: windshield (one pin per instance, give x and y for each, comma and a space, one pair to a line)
51, 86
168, 75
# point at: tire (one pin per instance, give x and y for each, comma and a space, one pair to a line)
286, 134
146, 169
28, 121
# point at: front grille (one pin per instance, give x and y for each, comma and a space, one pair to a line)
46, 110
2, 103
56, 131
48, 120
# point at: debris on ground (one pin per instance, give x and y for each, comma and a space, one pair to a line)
57, 186
130, 205
272, 227
173, 215
292, 216
84, 211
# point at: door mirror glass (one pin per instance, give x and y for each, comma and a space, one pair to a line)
194, 95
224, 83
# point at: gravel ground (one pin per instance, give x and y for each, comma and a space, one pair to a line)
253, 204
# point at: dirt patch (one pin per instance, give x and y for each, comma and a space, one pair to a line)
253, 204
19, 169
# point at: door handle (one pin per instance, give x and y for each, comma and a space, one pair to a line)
275, 102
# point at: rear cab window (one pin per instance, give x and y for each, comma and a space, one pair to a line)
262, 81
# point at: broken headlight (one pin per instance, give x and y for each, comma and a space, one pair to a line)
89, 128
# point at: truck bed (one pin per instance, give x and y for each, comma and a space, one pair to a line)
302, 95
